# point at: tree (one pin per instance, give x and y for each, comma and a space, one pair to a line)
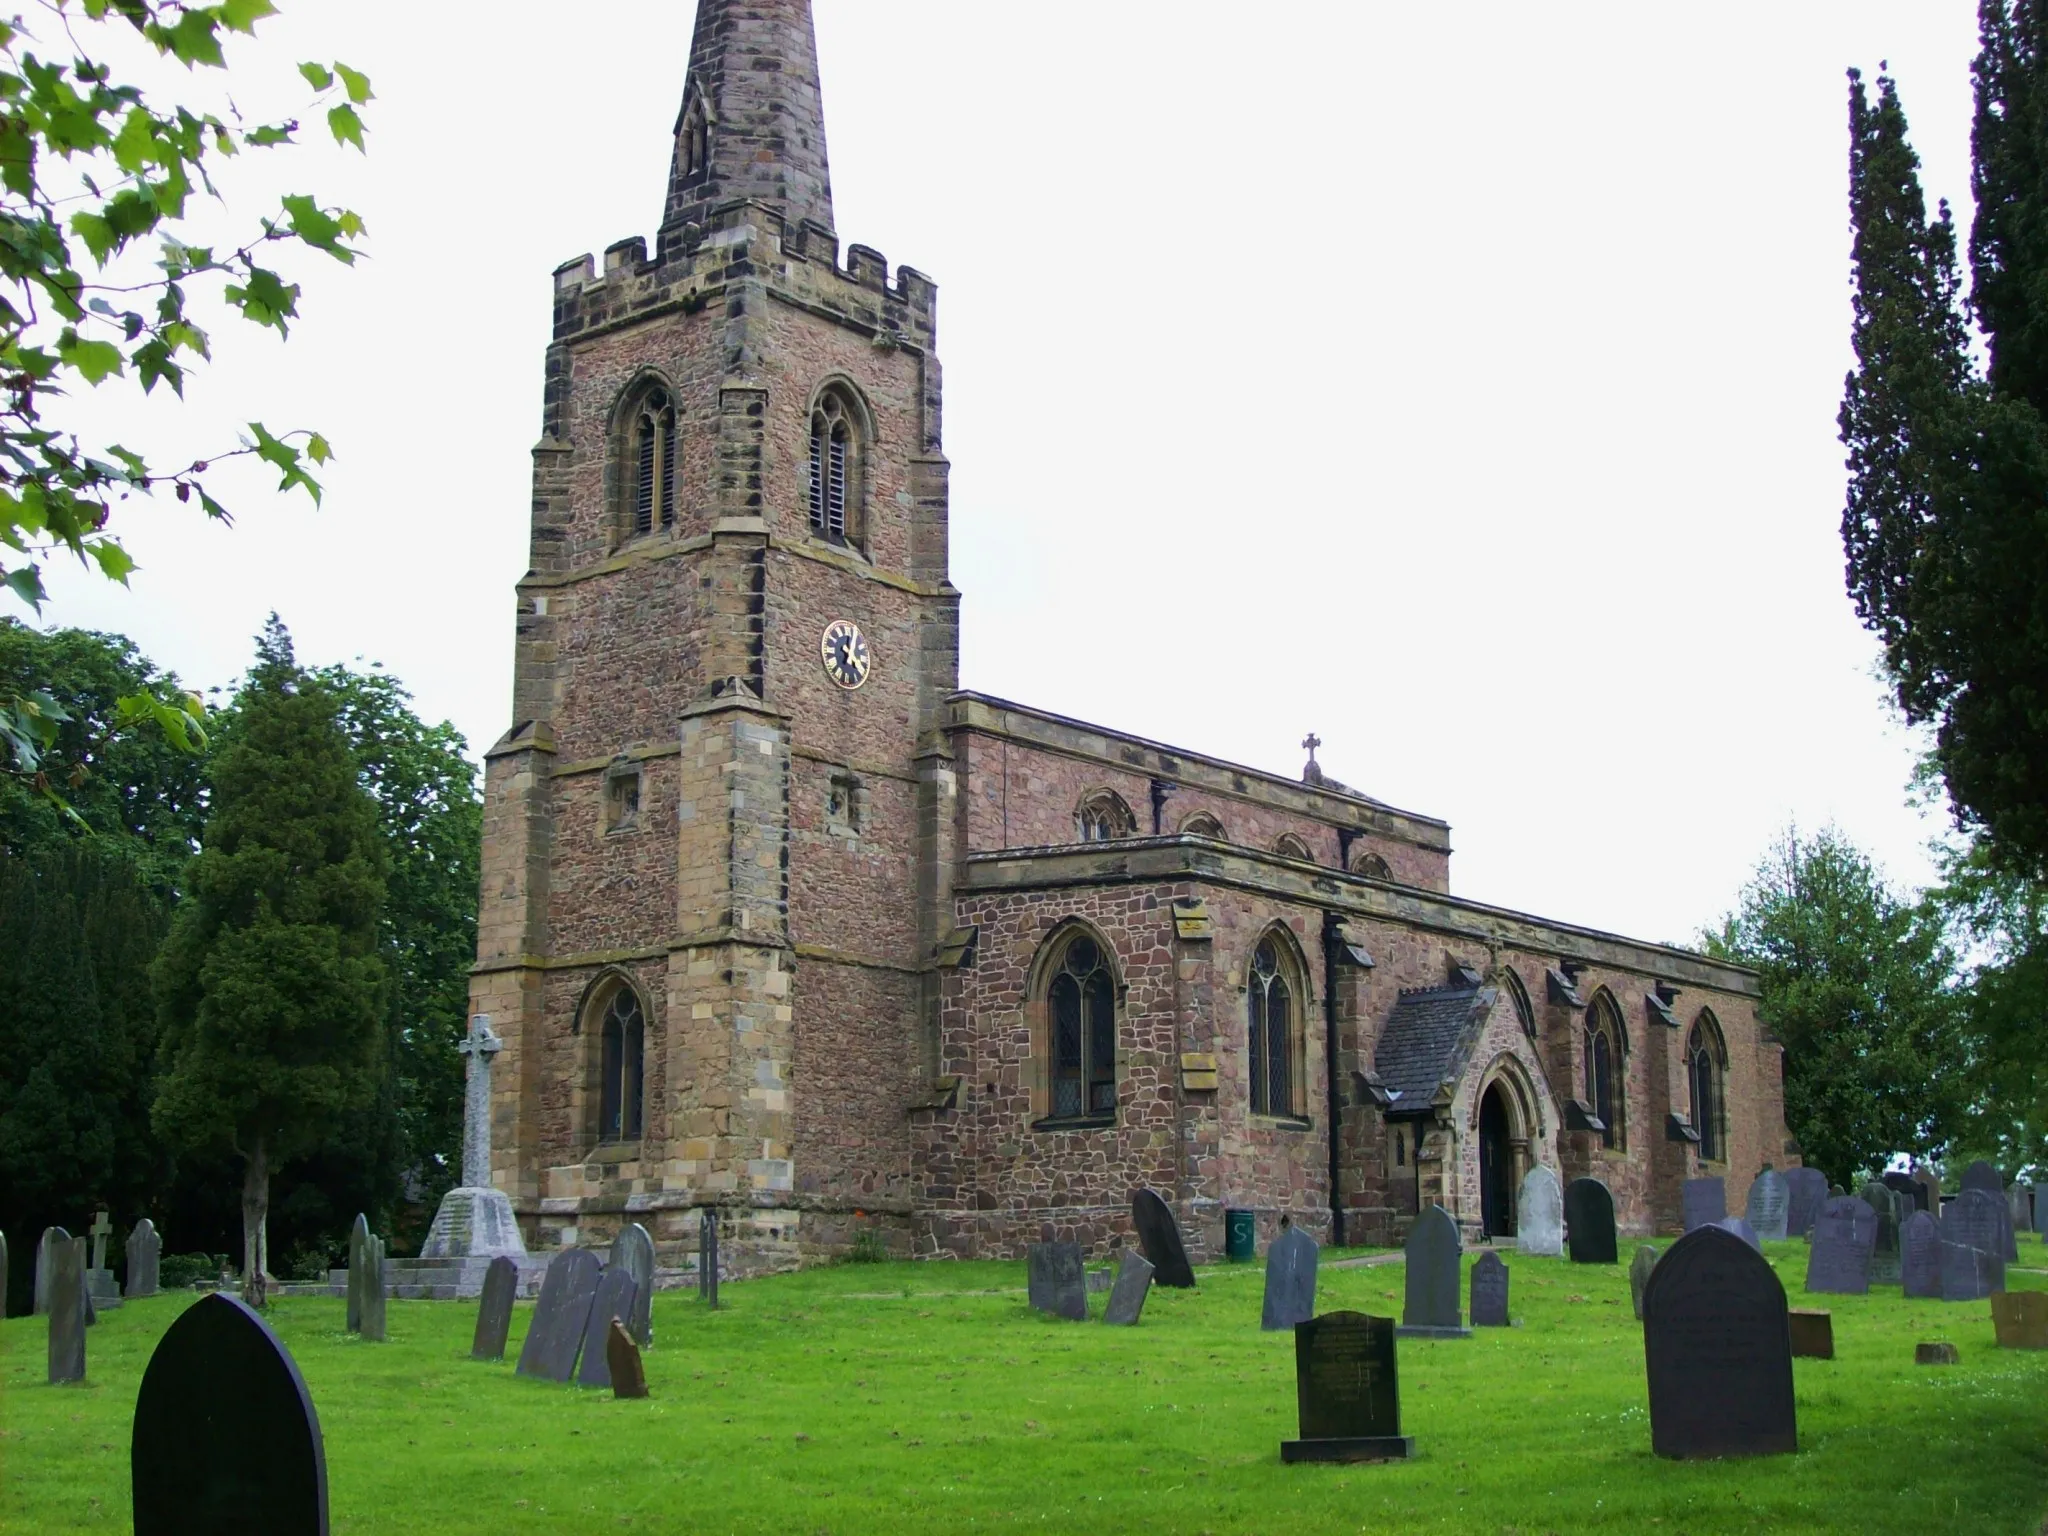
271, 988
1858, 986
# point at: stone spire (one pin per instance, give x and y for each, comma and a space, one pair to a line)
753, 118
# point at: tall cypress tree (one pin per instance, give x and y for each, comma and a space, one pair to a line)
271, 987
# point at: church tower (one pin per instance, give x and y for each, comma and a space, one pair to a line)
713, 835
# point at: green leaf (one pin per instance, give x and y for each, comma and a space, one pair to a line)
346, 127
266, 299
317, 449
358, 83
95, 361
114, 561
242, 15
316, 76
26, 583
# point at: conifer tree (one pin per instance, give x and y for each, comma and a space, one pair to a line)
271, 987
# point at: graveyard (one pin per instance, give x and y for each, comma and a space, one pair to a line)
896, 1397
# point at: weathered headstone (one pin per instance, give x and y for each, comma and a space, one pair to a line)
225, 1435
1920, 1257
633, 1251
1055, 1283
494, 1310
1134, 1276
1539, 1214
1980, 1175
1589, 1222
1884, 1249
1930, 1191
613, 1303
1972, 1246
1813, 1335
1718, 1346
1936, 1354
1807, 1192
373, 1291
358, 1246
1770, 1205
67, 1310
45, 1249
145, 1251
1160, 1241
554, 1337
1290, 1281
1705, 1202
623, 1363
1741, 1229
2021, 1319
1101, 1281
1639, 1275
1489, 1292
1348, 1390
2040, 1191
1838, 1264
707, 1257
1900, 1182
2019, 1200
1434, 1263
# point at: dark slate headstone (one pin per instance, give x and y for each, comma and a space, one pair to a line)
622, 1359
1539, 1214
1718, 1345
1159, 1240
613, 1303
1980, 1175
633, 1251
358, 1245
145, 1251
1770, 1205
1838, 1264
1813, 1335
1808, 1192
67, 1310
45, 1250
494, 1311
1884, 1249
555, 1336
2041, 1207
1920, 1257
1974, 1223
1290, 1281
1434, 1264
1489, 1292
1741, 1229
1133, 1284
225, 1436
1706, 1202
2020, 1201
1348, 1390
1639, 1275
373, 1292
1056, 1284
1969, 1274
1589, 1222
707, 1257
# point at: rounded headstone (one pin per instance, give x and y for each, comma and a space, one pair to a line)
1539, 1214
1718, 1347
1770, 1205
633, 1252
1159, 1239
1589, 1222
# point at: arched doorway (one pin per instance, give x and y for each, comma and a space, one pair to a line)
1496, 1164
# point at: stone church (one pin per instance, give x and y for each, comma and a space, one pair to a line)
778, 919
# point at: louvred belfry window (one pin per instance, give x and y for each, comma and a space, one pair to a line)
1082, 1004
654, 465
1271, 1026
832, 468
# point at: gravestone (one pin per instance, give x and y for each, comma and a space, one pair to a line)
1930, 1191
1741, 1229
613, 1303
1706, 1202
225, 1436
1920, 1257
67, 1310
1539, 1214
145, 1252
1980, 1175
1936, 1354
1589, 1222
622, 1360
45, 1248
1973, 1223
372, 1291
1969, 1274
1348, 1390
1639, 1275
2021, 1319
1770, 1205
1133, 1284
633, 1252
1901, 1183
707, 1257
494, 1311
1434, 1261
1884, 1249
1159, 1240
555, 1335
2040, 1207
1100, 1280
1807, 1192
1055, 1282
1838, 1264
2019, 1200
99, 1280
358, 1244
1813, 1335
1717, 1343
1489, 1292
1290, 1281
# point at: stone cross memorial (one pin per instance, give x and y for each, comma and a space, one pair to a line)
1133, 1284
633, 1251
1718, 1346
145, 1254
1589, 1222
1159, 1240
1290, 1281
67, 1311
1920, 1257
1539, 1214
1348, 1391
1434, 1264
1489, 1292
494, 1311
475, 1220
1838, 1264
225, 1435
1770, 1205
622, 1358
1806, 1193
555, 1335
1055, 1283
707, 1257
1705, 1201
1639, 1275
612, 1304
99, 1280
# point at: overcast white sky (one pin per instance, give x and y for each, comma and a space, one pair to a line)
1456, 381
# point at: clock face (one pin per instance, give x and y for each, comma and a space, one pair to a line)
845, 650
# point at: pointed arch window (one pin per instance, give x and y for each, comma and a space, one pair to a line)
694, 146
1703, 1080
1292, 847
1202, 824
1603, 1071
1271, 1023
835, 470
1081, 1002
622, 1075
1370, 865
1103, 818
655, 469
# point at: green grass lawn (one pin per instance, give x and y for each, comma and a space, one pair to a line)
928, 1398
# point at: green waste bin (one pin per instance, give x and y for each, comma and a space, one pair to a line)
1240, 1235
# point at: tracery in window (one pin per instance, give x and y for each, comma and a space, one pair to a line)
834, 492
621, 1068
694, 139
1081, 1005
1703, 1073
1292, 847
1271, 1029
1202, 824
654, 469
1103, 817
1603, 1069
1370, 865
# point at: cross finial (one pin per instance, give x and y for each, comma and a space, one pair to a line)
1312, 741
480, 1041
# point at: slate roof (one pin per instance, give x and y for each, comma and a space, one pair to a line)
1426, 1040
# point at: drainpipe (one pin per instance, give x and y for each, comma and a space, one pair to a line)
1335, 1110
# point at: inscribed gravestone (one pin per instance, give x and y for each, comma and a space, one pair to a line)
1348, 1390
1770, 1205
358, 1241
1055, 1283
67, 1310
633, 1251
45, 1250
555, 1336
1639, 1275
1489, 1292
1539, 1214
1705, 1202
1807, 1192
614, 1302
1589, 1222
1434, 1259
2021, 1319
372, 1292
1969, 1274
707, 1257
494, 1311
1980, 1175
1133, 1284
1973, 1223
1159, 1240
1290, 1281
225, 1436
1741, 1229
1920, 1257
1838, 1264
1717, 1343
622, 1359
1884, 1250
145, 1251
